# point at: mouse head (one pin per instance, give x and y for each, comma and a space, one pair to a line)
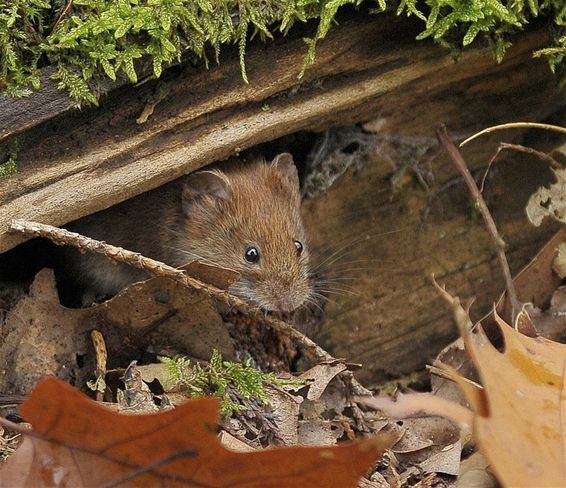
247, 218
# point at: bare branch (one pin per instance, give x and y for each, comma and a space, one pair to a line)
517, 147
499, 243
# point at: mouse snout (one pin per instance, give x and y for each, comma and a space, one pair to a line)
286, 304
283, 295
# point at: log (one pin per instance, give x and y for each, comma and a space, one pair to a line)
87, 161
386, 313
20, 114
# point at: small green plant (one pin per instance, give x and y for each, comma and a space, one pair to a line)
21, 33
218, 376
10, 166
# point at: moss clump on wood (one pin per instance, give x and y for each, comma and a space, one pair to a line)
87, 40
9, 166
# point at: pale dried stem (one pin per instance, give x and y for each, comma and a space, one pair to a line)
449, 375
515, 125
64, 237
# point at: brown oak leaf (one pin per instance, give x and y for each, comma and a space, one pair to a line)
519, 411
77, 442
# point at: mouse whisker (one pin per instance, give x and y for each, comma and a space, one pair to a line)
349, 247
197, 257
339, 291
322, 297
364, 236
336, 279
338, 271
344, 248
338, 254
310, 302
346, 242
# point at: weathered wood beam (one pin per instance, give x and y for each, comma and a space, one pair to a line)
82, 162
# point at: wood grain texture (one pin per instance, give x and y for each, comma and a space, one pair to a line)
81, 162
386, 313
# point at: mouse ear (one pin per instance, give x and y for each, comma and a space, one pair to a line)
284, 162
213, 184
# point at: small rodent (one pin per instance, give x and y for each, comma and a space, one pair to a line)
241, 216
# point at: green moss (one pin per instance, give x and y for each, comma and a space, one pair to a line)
218, 376
10, 166
88, 40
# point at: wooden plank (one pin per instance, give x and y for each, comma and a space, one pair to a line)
86, 161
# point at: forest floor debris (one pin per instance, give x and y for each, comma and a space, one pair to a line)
320, 406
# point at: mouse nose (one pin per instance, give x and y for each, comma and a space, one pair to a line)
285, 305
281, 296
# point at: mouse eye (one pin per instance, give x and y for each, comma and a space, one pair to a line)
299, 246
251, 255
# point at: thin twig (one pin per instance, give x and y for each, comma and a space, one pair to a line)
8, 424
62, 14
460, 163
449, 375
529, 150
156, 268
517, 147
150, 467
101, 360
515, 125
64, 237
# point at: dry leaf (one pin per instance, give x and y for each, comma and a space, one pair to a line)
445, 460
233, 443
524, 388
520, 411
551, 323
159, 372
77, 443
559, 263
318, 378
474, 473
136, 396
535, 283
285, 409
41, 337
319, 432
549, 202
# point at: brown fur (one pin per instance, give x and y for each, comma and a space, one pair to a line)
212, 216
